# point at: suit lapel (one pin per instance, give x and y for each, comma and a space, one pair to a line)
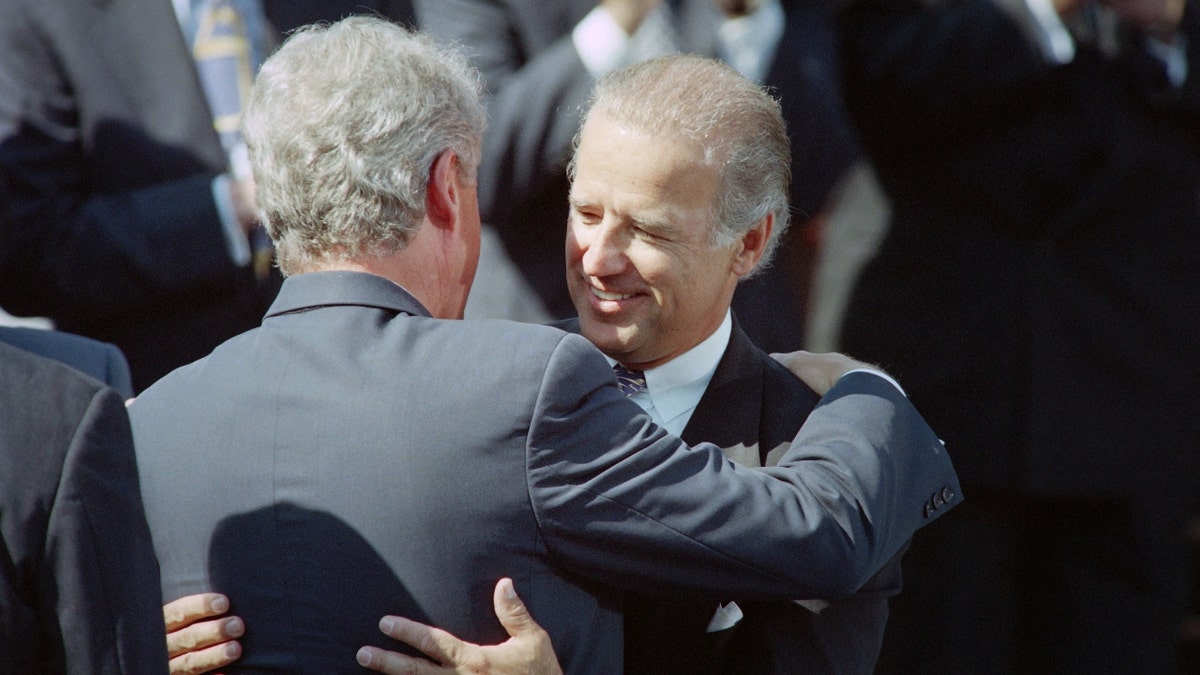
731, 414
730, 411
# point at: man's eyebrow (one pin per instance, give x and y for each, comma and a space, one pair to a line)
656, 223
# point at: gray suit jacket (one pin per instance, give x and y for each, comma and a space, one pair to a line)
354, 457
78, 580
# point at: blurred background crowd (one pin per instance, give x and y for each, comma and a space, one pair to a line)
996, 200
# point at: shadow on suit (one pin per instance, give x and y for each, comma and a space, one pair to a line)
335, 581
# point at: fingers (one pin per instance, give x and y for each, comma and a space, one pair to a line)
821, 371
511, 611
197, 643
203, 634
433, 642
205, 660
392, 663
192, 608
809, 368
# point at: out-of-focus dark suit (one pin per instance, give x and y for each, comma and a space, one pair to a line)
100, 360
752, 409
107, 156
537, 84
1038, 295
78, 579
353, 457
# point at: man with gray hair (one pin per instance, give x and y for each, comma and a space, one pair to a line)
363, 453
679, 192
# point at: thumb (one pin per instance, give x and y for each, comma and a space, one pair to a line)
511, 611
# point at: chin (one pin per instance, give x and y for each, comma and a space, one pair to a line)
612, 340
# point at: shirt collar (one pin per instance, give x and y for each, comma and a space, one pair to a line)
675, 387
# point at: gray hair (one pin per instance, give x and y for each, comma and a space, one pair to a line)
343, 125
738, 124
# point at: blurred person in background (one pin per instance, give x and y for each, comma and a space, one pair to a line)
127, 212
1039, 289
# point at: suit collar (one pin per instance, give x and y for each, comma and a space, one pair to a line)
325, 289
730, 410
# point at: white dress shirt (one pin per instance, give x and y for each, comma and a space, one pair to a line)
747, 43
674, 389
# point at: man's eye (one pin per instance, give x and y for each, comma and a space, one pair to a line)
587, 216
647, 234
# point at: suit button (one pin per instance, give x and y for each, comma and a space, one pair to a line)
929, 508
947, 493
937, 499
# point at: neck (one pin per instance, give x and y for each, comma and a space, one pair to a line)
419, 274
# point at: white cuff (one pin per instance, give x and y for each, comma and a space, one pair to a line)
602, 44
1173, 54
1053, 38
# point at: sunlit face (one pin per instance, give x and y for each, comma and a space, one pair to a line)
646, 283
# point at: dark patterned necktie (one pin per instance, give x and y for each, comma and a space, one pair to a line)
629, 381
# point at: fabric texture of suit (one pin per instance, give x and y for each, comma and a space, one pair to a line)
353, 457
1037, 294
107, 155
751, 409
538, 83
100, 360
78, 579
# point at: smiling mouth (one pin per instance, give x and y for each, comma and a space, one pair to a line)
605, 295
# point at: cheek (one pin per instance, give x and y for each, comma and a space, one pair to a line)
657, 270
573, 245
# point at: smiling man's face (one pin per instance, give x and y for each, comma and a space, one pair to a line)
646, 282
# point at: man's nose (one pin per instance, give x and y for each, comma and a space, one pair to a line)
604, 253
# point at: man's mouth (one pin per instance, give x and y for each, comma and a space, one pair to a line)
606, 295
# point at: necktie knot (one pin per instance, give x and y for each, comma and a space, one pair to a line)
629, 381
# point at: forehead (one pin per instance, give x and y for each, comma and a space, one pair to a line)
616, 159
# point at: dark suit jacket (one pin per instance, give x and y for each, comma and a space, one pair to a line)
107, 156
752, 409
78, 580
353, 457
538, 83
287, 15
1037, 290
100, 360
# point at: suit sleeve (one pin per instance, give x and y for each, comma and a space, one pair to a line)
75, 245
99, 553
533, 98
624, 502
